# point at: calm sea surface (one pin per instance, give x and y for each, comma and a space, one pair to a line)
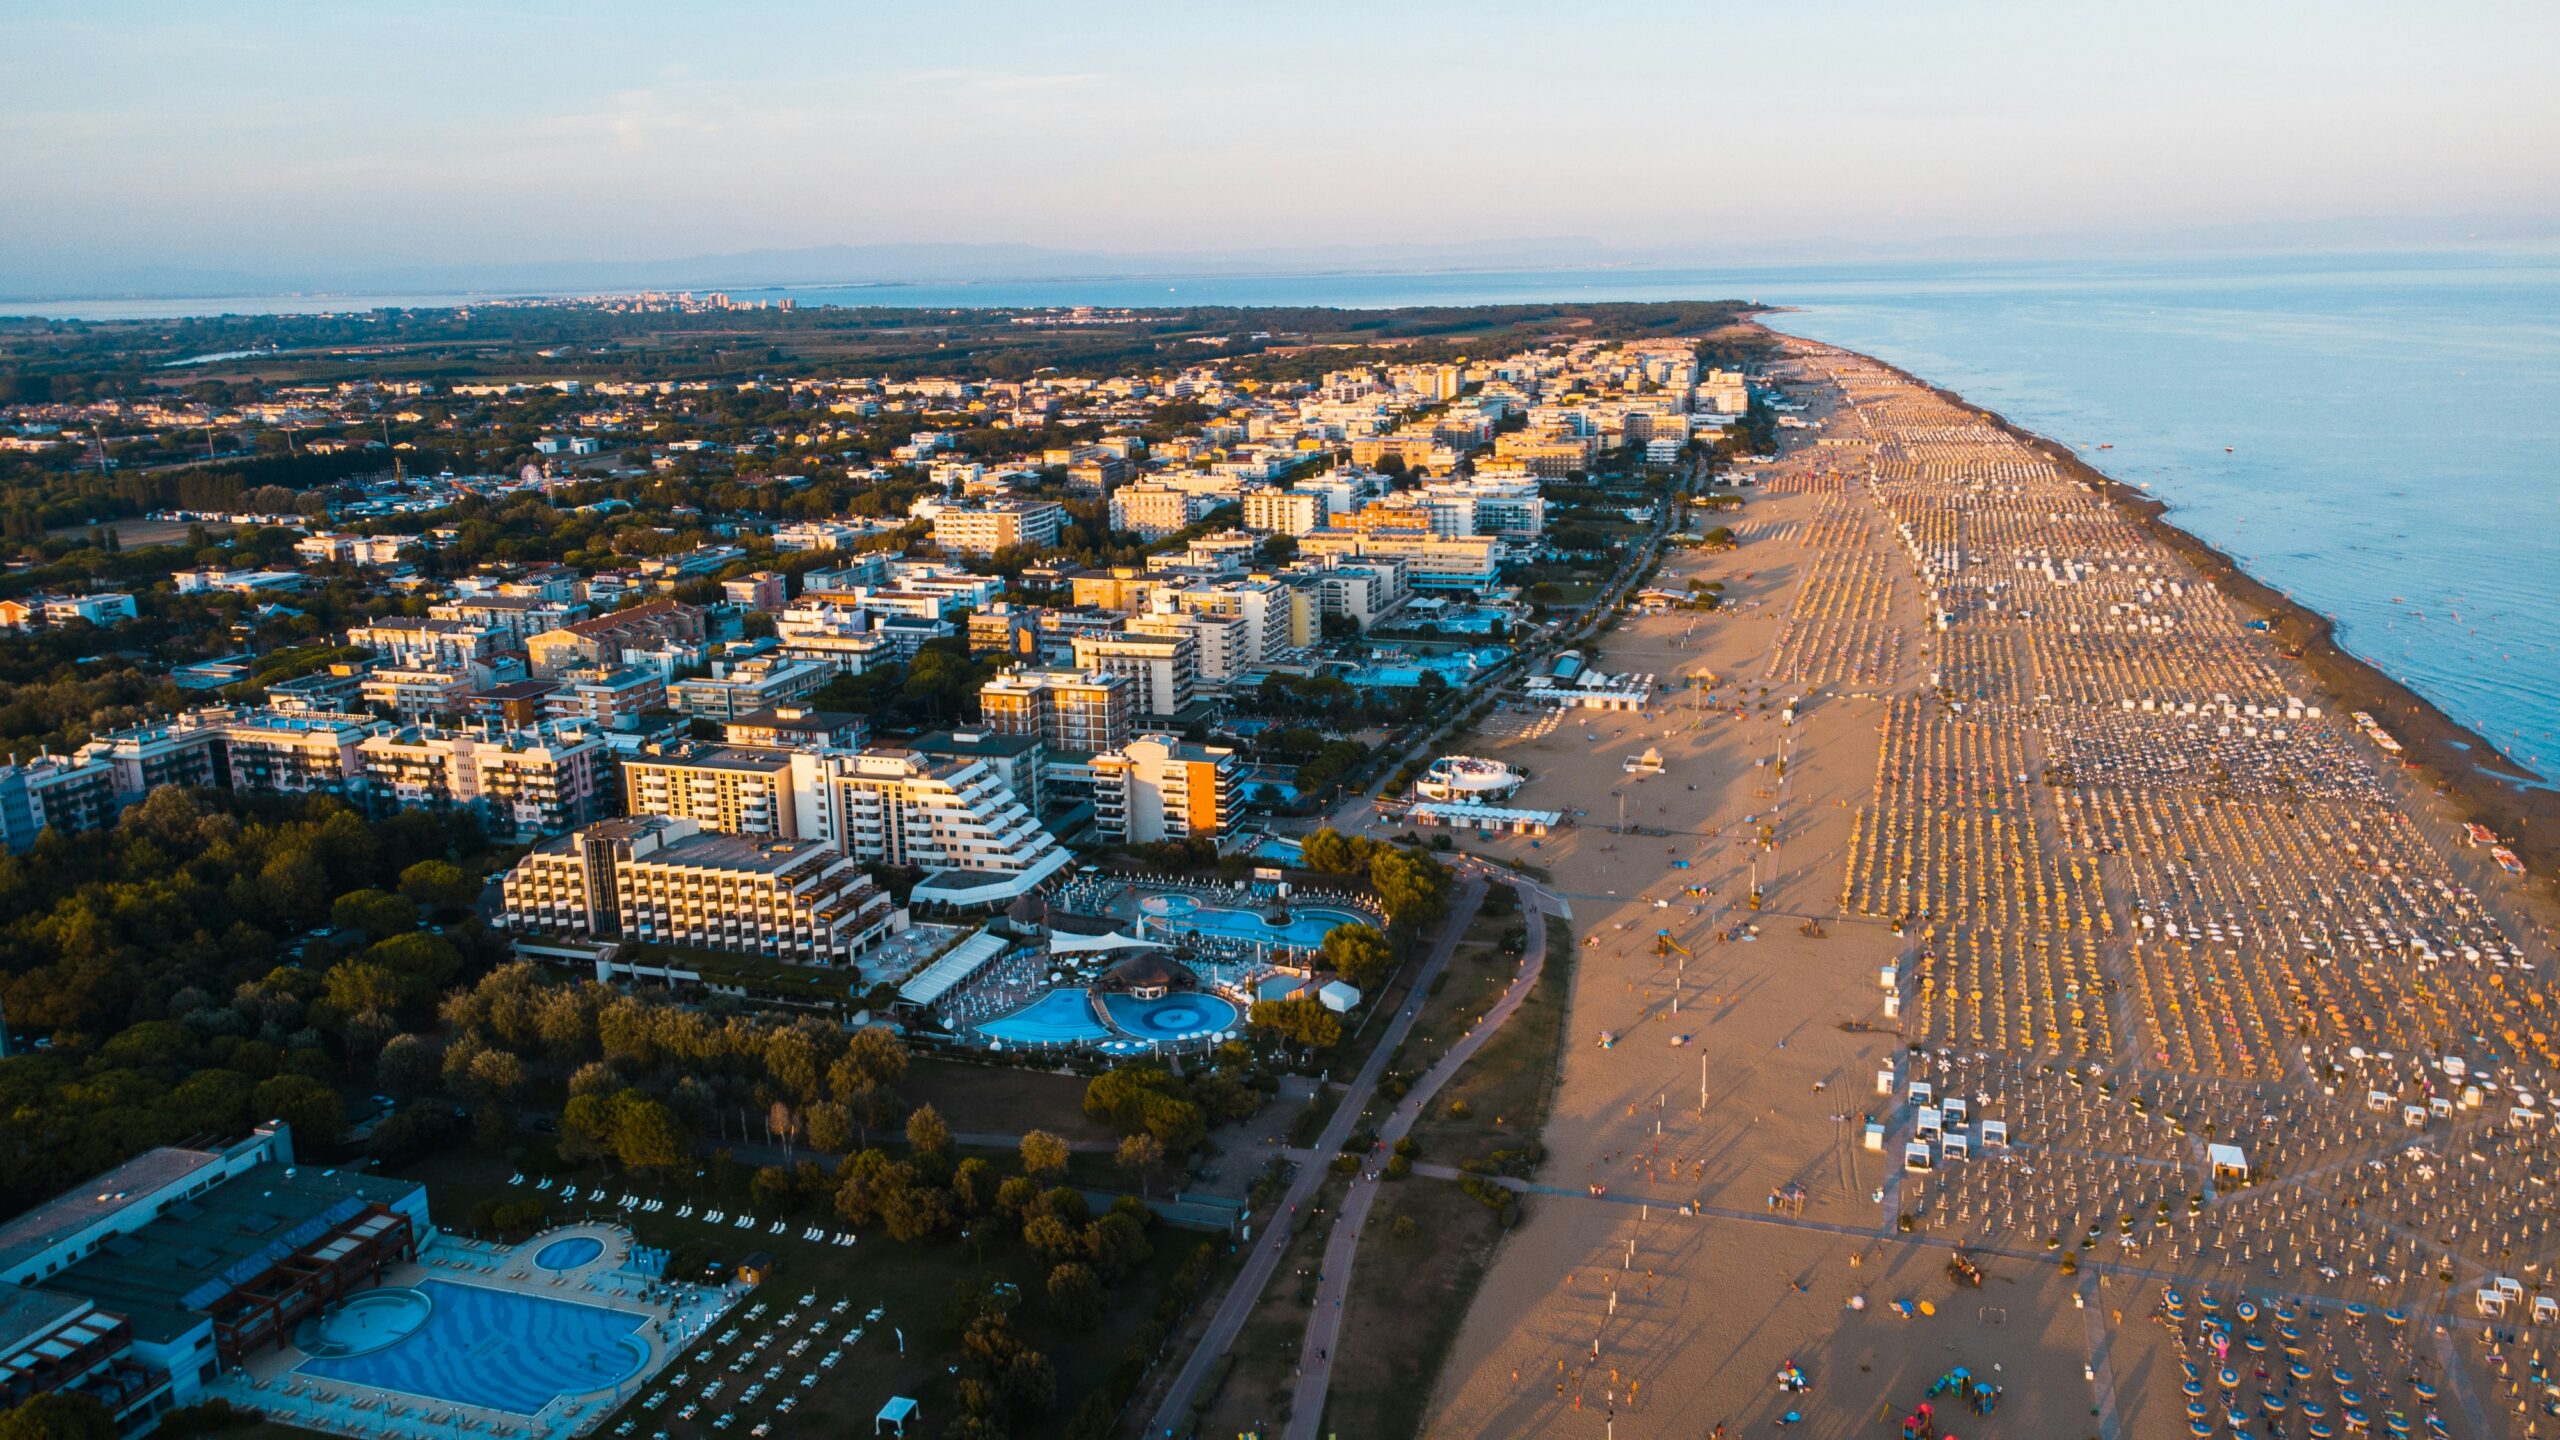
2378, 435
2381, 440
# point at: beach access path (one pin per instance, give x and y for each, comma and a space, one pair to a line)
1324, 1326
1173, 1413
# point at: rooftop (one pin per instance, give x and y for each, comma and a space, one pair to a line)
85, 1204
160, 1277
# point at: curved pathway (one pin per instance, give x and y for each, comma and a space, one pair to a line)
1324, 1327
1173, 1414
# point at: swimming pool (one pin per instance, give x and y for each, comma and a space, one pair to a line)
1455, 668
1174, 1017
569, 1254
499, 1350
365, 1323
1307, 927
1060, 1017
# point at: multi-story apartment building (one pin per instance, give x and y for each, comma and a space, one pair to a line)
521, 783
998, 525
337, 687
609, 639
663, 881
1219, 642
1549, 456
794, 727
1157, 510
409, 643
102, 608
1471, 563
1015, 759
1362, 589
746, 687
764, 590
1123, 588
723, 788
833, 630
606, 699
422, 692
517, 617
1511, 508
1161, 787
1278, 617
898, 807
1165, 668
237, 748
1071, 712
1286, 512
58, 792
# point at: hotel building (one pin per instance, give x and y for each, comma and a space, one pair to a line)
662, 881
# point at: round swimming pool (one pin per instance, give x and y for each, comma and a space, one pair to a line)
1169, 907
1175, 1017
365, 1323
568, 1254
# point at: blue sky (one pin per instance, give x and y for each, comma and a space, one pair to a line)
332, 137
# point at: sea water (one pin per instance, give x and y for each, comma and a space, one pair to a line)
2380, 438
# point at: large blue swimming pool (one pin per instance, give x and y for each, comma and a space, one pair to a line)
1307, 927
1458, 668
1060, 1017
1175, 1017
500, 1350
1065, 1017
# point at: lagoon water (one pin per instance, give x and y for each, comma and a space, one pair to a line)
2392, 422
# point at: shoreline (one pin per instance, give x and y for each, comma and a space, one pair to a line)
2455, 757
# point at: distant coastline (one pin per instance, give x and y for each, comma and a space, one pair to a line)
2482, 781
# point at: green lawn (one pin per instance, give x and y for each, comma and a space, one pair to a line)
1408, 1299
1510, 1083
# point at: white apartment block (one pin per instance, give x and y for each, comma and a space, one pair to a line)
1160, 787
237, 748
1365, 590
523, 782
942, 814
1072, 712
1157, 510
998, 525
731, 691
1511, 508
721, 788
1218, 643
408, 642
55, 792
1165, 668
1285, 512
661, 881
1470, 563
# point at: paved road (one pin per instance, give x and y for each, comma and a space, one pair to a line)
1324, 1327
1174, 1413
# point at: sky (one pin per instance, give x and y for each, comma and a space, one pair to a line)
148, 144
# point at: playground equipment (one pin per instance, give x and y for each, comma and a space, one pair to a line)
1663, 944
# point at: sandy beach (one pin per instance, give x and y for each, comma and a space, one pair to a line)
2142, 886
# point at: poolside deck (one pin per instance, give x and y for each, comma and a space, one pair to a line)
665, 1316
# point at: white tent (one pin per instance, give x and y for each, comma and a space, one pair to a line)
1339, 996
897, 1412
2228, 1161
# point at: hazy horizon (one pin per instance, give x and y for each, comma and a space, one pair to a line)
158, 149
